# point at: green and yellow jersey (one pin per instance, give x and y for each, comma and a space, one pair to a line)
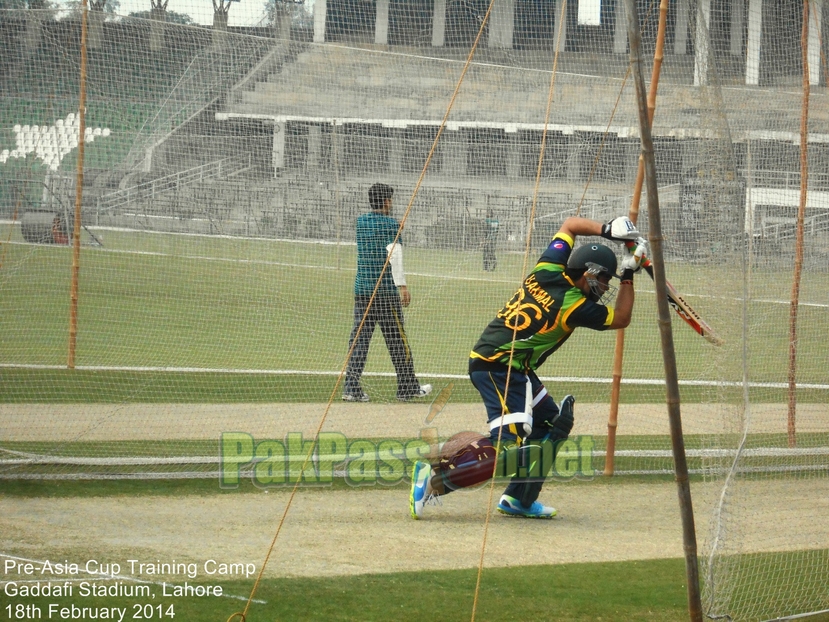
541, 315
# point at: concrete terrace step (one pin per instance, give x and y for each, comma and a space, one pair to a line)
335, 81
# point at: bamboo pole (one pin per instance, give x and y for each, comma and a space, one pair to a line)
664, 319
337, 203
76, 230
618, 354
801, 213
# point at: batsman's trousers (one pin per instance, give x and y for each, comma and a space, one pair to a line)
502, 398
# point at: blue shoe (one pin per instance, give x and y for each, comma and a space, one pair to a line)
420, 482
512, 507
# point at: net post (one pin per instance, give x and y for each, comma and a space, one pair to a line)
664, 317
618, 353
76, 229
798, 252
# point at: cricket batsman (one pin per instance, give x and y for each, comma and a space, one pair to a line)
569, 287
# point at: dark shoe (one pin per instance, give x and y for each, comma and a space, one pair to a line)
423, 391
355, 397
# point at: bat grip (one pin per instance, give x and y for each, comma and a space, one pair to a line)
647, 265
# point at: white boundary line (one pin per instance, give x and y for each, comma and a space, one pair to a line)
329, 243
768, 452
299, 372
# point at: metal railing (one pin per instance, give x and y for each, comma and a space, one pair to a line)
789, 180
217, 169
786, 228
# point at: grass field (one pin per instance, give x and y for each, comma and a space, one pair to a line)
651, 591
636, 455
118, 386
646, 590
152, 300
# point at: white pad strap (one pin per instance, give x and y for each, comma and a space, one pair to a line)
528, 397
541, 395
525, 419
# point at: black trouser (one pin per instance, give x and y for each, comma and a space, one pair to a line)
489, 256
388, 313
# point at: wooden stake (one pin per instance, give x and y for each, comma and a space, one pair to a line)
664, 315
618, 354
76, 230
801, 214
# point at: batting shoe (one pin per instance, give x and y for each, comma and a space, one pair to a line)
512, 507
420, 494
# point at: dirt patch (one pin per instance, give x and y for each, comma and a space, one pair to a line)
343, 532
96, 422
330, 533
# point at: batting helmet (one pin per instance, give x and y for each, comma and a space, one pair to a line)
594, 260
597, 258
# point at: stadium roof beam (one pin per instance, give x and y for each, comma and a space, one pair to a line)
381, 23
621, 131
754, 40
755, 24
439, 24
502, 24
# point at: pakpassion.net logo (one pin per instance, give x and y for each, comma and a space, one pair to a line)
368, 462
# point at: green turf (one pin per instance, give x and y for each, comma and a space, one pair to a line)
163, 448
648, 590
157, 479
67, 488
569, 592
63, 386
192, 302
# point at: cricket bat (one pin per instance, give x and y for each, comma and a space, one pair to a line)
682, 308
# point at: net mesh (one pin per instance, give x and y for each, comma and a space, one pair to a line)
225, 167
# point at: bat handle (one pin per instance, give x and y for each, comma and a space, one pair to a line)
631, 245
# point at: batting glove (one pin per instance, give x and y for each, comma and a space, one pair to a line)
637, 243
633, 261
620, 229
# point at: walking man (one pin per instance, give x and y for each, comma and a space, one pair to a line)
376, 232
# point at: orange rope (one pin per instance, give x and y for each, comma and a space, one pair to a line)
604, 139
559, 45
613, 114
528, 245
243, 615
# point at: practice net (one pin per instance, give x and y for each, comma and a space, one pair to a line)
225, 166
